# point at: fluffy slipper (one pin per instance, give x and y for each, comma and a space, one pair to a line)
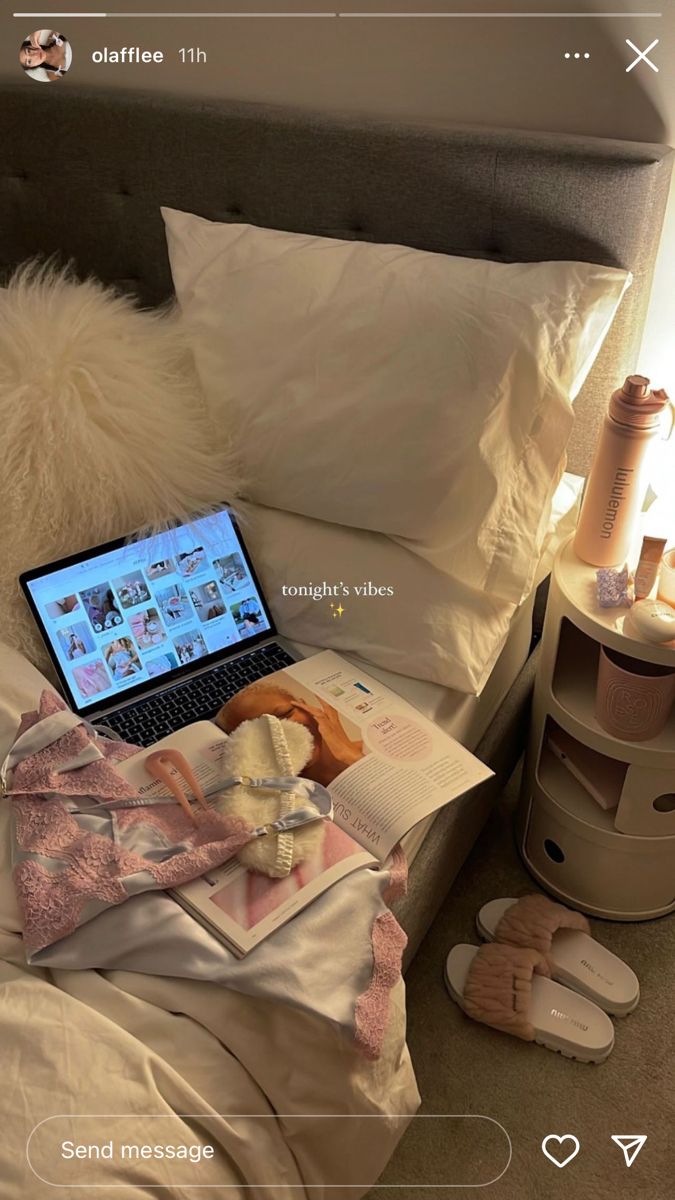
508, 989
564, 938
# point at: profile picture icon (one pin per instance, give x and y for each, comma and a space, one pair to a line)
45, 55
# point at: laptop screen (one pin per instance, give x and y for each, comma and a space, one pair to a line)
121, 618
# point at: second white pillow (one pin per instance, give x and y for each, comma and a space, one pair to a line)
390, 389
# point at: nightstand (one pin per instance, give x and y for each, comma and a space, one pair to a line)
617, 863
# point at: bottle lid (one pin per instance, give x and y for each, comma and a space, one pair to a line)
637, 386
636, 405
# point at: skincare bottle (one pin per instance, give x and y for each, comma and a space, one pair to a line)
648, 566
617, 482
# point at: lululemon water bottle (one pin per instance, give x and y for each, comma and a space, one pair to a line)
617, 483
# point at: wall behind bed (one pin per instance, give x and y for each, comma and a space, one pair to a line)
510, 73
473, 191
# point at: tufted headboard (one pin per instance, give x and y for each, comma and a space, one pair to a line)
111, 158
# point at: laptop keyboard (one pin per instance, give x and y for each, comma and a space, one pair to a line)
197, 699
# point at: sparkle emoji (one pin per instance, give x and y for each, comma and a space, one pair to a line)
337, 610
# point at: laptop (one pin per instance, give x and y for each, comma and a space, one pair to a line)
150, 635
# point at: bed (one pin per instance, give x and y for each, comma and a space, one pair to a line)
480, 193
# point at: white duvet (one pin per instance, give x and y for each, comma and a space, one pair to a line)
129, 1051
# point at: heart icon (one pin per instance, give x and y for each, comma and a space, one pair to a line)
553, 1154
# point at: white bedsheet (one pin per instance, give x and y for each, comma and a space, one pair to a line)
119, 1042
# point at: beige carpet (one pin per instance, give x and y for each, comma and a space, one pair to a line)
465, 1068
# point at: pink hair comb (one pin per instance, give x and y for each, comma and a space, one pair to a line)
159, 765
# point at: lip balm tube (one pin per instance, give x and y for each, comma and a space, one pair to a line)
648, 566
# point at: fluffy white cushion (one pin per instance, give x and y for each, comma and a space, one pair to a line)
413, 394
431, 628
103, 430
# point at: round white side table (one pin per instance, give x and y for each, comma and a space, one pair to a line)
617, 863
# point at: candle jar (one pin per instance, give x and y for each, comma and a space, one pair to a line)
666, 584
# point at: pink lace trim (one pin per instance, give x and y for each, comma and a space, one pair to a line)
398, 876
388, 941
88, 867
39, 773
117, 751
50, 702
168, 820
93, 868
371, 1012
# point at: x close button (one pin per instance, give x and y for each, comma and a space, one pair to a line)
642, 55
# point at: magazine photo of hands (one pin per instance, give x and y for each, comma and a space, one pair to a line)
337, 741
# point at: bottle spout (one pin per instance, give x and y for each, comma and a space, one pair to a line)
636, 405
636, 386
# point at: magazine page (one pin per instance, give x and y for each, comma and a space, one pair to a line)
237, 905
386, 766
242, 907
202, 744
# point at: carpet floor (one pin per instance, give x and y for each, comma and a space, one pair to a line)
463, 1067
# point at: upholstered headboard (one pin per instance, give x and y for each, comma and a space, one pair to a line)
83, 173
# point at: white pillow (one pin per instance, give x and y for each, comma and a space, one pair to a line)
103, 429
431, 628
408, 393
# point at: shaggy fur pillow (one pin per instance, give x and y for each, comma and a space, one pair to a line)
103, 430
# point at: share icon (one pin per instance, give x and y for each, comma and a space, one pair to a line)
631, 1145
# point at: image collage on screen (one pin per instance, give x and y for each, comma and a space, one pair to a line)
137, 612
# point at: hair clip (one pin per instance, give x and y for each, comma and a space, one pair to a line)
159, 765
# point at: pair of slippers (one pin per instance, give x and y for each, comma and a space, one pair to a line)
543, 978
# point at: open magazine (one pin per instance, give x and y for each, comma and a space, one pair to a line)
387, 768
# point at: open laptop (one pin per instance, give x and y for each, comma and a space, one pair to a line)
150, 635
